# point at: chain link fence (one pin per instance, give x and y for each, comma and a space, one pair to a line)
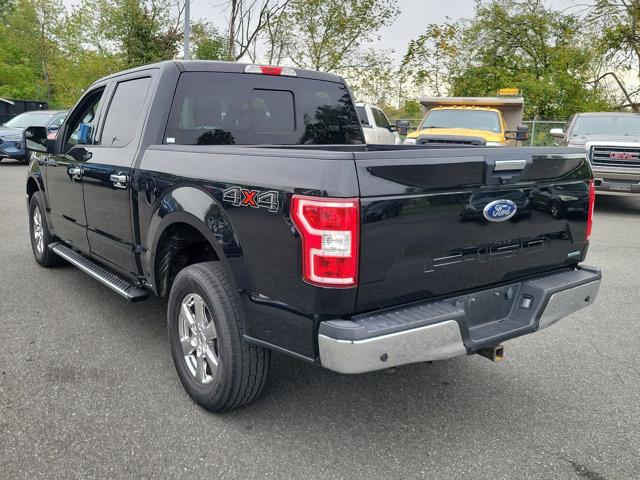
539, 135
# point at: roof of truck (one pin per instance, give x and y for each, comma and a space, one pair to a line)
217, 66
609, 114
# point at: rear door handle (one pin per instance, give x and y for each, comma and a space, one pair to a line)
119, 180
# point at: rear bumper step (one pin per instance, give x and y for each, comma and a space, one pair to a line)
100, 273
444, 329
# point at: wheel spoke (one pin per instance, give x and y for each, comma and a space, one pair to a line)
199, 308
210, 332
211, 358
186, 314
201, 371
188, 345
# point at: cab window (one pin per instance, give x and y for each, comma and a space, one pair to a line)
85, 113
124, 113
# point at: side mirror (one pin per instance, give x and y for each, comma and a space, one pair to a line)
520, 134
557, 133
402, 126
35, 139
84, 134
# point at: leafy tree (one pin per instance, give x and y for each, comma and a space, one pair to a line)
429, 56
619, 20
29, 49
514, 43
327, 34
144, 31
374, 79
208, 44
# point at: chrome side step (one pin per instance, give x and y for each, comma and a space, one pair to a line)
100, 273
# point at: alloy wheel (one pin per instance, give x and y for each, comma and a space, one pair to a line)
198, 339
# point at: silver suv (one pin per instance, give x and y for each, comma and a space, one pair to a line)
612, 141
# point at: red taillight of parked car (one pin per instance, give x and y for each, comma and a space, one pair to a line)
592, 203
330, 230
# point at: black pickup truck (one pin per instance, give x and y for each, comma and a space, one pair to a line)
245, 194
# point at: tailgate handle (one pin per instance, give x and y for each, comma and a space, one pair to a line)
509, 165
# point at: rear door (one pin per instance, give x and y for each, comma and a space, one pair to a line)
107, 174
431, 227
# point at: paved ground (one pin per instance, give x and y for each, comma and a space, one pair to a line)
88, 389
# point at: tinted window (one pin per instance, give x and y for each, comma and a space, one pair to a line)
85, 113
460, 118
125, 110
245, 109
605, 125
362, 114
381, 118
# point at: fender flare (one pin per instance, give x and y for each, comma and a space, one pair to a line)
185, 205
35, 174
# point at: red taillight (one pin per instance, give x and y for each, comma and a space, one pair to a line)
592, 203
329, 228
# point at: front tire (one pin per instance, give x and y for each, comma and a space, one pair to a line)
219, 370
41, 236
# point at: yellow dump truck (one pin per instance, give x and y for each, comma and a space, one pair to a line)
481, 121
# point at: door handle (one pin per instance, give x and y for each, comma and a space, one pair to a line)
119, 180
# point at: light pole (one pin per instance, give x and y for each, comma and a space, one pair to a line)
187, 28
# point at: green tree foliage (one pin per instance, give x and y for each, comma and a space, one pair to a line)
619, 20
327, 34
208, 43
513, 43
429, 56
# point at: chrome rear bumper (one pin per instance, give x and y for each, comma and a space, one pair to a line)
449, 328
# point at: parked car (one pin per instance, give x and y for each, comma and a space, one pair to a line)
612, 142
560, 200
375, 125
11, 142
245, 195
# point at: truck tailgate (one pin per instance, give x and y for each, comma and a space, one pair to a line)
441, 221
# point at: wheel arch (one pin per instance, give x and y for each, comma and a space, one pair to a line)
188, 216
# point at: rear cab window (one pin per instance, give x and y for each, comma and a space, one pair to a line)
212, 108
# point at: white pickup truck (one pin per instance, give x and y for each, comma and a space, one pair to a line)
375, 125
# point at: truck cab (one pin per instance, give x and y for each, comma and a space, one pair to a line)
376, 126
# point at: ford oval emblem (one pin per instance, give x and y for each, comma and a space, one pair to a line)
500, 210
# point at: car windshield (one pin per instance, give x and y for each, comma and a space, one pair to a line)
29, 119
459, 118
605, 125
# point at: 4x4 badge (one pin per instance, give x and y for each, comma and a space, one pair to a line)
243, 197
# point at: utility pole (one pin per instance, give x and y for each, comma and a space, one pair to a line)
187, 28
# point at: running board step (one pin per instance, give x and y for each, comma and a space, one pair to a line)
100, 273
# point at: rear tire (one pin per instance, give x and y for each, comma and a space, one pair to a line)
219, 370
41, 236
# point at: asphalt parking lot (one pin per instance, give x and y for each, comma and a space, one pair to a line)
88, 389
